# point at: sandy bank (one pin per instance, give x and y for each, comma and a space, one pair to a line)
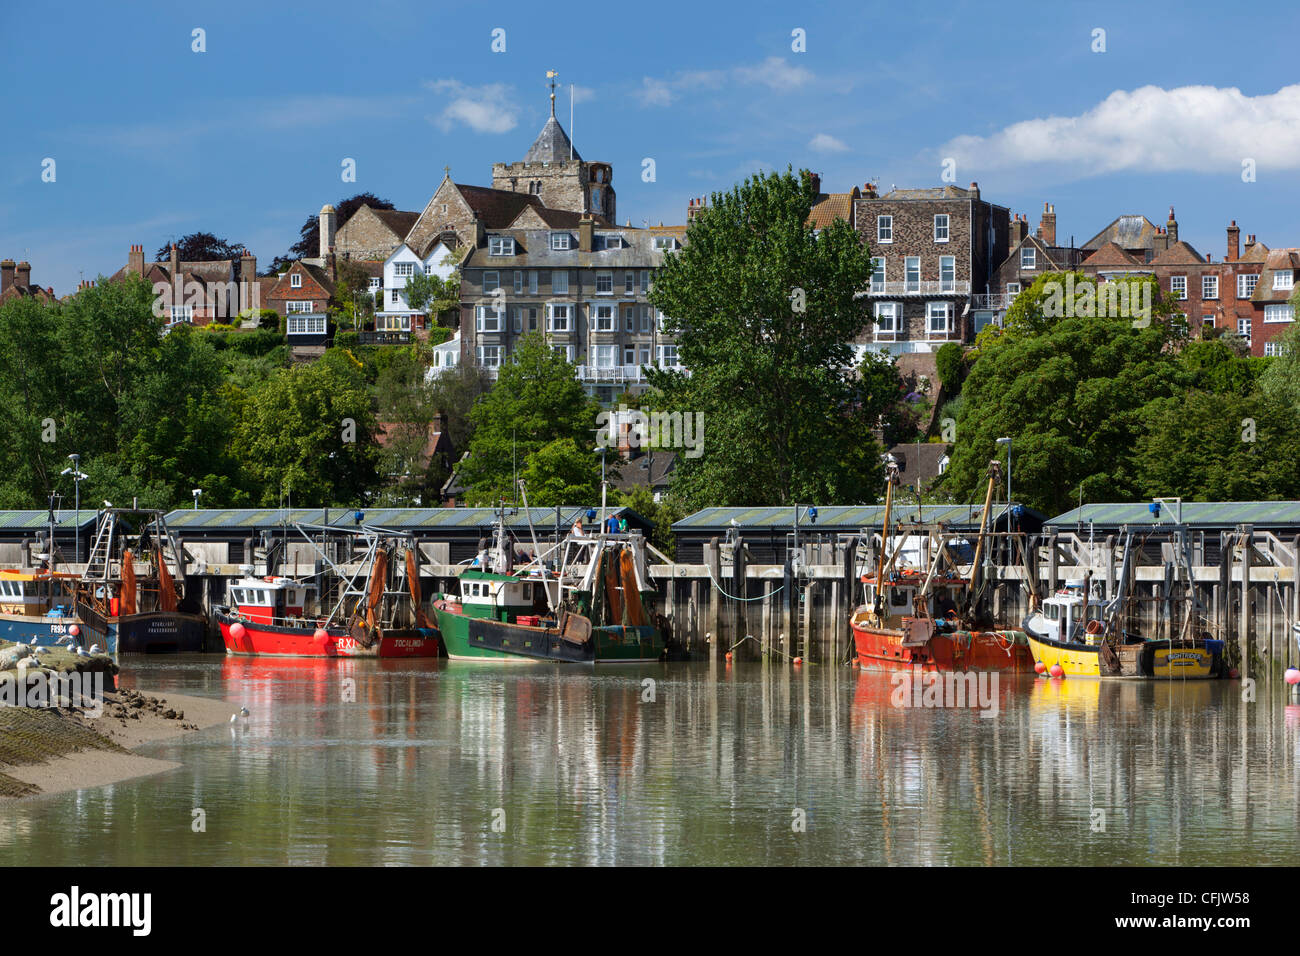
44, 751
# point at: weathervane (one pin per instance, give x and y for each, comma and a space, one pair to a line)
551, 75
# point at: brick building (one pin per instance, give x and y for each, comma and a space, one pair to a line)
16, 283
1029, 257
199, 292
1271, 297
933, 250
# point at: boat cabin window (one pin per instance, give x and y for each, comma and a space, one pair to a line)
898, 597
527, 592
1053, 611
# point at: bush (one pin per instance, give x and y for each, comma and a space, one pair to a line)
950, 362
346, 340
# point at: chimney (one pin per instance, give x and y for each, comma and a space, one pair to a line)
23, 276
974, 190
1171, 229
693, 208
328, 223
817, 182
6, 275
135, 260
1047, 225
248, 288
1234, 242
1019, 229
586, 226
869, 191
175, 262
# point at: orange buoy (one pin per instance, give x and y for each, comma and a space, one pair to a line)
798, 660
1039, 667
728, 655
237, 631
1056, 670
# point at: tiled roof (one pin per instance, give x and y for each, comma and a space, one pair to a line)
1279, 260
832, 206
1110, 255
496, 207
399, 221
533, 251
1179, 254
1128, 232
1256, 253
936, 192
561, 218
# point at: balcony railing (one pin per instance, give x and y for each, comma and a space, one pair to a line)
918, 287
619, 374
385, 338
995, 300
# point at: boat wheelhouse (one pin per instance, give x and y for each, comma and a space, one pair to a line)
36, 607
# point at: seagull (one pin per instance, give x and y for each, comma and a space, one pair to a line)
243, 712
94, 649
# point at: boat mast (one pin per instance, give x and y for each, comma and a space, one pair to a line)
994, 470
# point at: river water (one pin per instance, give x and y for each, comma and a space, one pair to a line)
430, 762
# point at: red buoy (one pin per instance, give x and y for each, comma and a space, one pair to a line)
1292, 676
1233, 674
1056, 670
74, 630
321, 635
237, 631
728, 655
798, 660
1039, 667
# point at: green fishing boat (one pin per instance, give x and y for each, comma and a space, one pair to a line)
583, 605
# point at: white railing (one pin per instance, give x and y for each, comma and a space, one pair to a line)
995, 300
917, 287
619, 374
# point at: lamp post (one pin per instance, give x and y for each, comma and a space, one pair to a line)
77, 476
199, 491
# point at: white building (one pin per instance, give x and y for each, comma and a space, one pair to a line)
394, 313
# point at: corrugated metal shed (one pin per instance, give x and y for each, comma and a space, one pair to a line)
39, 519
193, 523
1210, 514
832, 517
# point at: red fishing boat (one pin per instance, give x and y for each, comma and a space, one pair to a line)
281, 617
928, 616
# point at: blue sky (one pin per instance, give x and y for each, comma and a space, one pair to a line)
152, 140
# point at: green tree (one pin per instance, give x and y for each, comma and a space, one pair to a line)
763, 308
433, 294
1070, 391
1218, 446
1280, 382
561, 473
537, 400
292, 434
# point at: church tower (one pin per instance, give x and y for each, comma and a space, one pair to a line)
553, 171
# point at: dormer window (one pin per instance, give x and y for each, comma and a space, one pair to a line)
1283, 279
665, 242
560, 241
295, 281
609, 242
501, 246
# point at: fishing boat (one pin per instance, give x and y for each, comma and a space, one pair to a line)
1073, 633
928, 615
372, 611
131, 593
581, 601
36, 608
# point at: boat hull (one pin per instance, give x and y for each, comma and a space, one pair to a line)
1149, 660
154, 632
483, 639
48, 631
267, 640
881, 648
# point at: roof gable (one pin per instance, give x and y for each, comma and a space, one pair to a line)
1127, 232
1179, 254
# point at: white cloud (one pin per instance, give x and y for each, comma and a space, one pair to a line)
582, 94
826, 143
484, 109
774, 72
1189, 128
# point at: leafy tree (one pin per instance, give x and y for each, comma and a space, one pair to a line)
454, 393
1218, 446
1281, 380
949, 361
434, 294
561, 473
763, 309
1216, 366
356, 303
537, 400
291, 438
1071, 394
308, 244
33, 402
200, 247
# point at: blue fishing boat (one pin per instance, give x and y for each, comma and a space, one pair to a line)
36, 607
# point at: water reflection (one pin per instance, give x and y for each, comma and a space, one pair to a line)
420, 762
